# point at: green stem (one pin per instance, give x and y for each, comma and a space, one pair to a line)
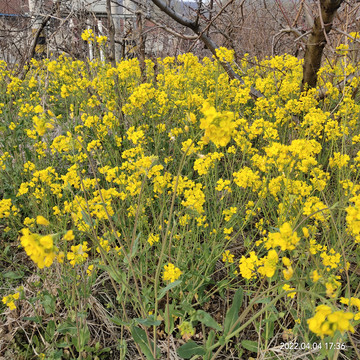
163, 245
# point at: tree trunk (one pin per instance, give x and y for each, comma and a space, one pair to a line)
140, 44
37, 28
111, 30
317, 42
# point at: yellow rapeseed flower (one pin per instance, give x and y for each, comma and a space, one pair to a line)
153, 239
40, 220
171, 272
78, 253
326, 322
10, 300
227, 257
69, 235
291, 294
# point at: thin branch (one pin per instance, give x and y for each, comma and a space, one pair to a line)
32, 48
210, 44
283, 31
167, 29
298, 13
111, 32
321, 93
198, 12
295, 31
174, 15
346, 34
218, 14
283, 12
303, 35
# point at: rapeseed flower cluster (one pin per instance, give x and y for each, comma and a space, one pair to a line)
227, 257
9, 300
40, 249
353, 218
78, 253
171, 273
184, 155
327, 322
354, 302
7, 208
153, 239
88, 35
286, 239
219, 127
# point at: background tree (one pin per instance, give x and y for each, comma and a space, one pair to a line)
301, 28
157, 28
317, 41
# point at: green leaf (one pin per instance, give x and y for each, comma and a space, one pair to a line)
7, 250
167, 288
140, 338
35, 319
263, 301
269, 327
209, 342
274, 228
138, 334
115, 275
49, 303
57, 355
80, 341
13, 275
207, 320
87, 219
135, 246
150, 321
118, 321
50, 331
222, 340
334, 205
250, 345
134, 250
107, 350
68, 327
210, 339
190, 349
233, 313
170, 314
36, 341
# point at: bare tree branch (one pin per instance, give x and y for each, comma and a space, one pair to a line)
346, 34
284, 31
210, 44
216, 16
32, 48
322, 92
174, 15
167, 29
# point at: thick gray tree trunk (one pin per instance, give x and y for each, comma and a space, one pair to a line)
317, 41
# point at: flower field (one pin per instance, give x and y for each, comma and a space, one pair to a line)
169, 215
